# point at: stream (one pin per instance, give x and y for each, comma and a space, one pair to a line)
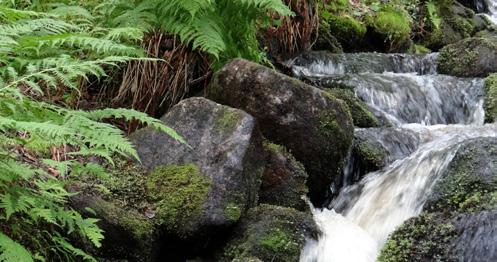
406, 92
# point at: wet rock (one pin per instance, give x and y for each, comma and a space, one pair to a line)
270, 233
456, 23
315, 126
476, 236
491, 99
284, 179
470, 181
472, 57
361, 115
375, 148
459, 221
203, 186
479, 6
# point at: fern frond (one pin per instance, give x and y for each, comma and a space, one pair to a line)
11, 251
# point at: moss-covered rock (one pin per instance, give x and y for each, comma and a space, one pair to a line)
491, 99
270, 233
128, 233
348, 30
314, 125
424, 238
447, 22
460, 217
284, 179
360, 113
179, 194
390, 28
472, 57
470, 182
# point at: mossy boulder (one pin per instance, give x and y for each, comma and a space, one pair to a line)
361, 115
284, 179
348, 30
470, 182
491, 99
270, 233
459, 220
447, 23
129, 234
314, 125
206, 184
472, 57
375, 148
389, 29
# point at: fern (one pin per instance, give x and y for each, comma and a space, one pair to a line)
44, 51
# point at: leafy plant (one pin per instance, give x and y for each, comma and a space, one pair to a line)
41, 52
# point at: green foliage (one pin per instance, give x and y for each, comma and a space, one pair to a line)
225, 29
40, 52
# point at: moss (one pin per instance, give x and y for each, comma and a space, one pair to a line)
229, 119
279, 241
361, 115
393, 23
424, 238
179, 193
270, 233
130, 220
454, 59
421, 49
347, 29
491, 98
233, 212
371, 154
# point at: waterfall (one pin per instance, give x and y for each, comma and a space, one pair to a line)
492, 10
405, 90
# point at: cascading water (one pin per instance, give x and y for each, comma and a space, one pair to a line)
442, 111
492, 10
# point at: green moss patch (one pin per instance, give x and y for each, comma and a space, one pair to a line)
424, 238
179, 193
233, 212
229, 119
393, 24
491, 98
360, 113
346, 28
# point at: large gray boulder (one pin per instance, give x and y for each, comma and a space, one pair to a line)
471, 57
208, 183
314, 125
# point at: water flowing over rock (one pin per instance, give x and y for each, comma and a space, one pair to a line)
322, 63
314, 125
492, 10
223, 154
439, 113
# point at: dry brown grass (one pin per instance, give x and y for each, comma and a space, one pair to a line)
155, 86
296, 33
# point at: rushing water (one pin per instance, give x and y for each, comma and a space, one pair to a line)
492, 8
405, 90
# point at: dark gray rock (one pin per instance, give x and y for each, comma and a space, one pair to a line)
361, 114
472, 57
375, 148
270, 233
315, 126
284, 179
470, 181
129, 235
208, 183
477, 236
